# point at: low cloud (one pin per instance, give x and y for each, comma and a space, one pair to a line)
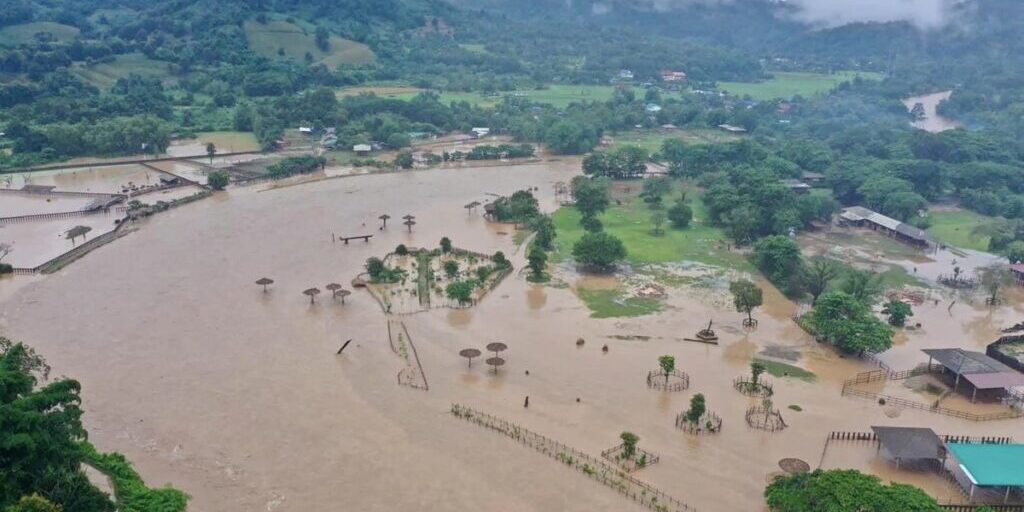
925, 14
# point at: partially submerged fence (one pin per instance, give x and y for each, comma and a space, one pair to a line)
674, 381
883, 375
870, 436
640, 492
401, 344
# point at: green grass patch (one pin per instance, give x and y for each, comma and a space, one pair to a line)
631, 222
777, 369
954, 229
475, 48
613, 304
785, 85
104, 75
267, 39
15, 35
651, 140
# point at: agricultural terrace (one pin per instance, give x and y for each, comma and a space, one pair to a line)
105, 74
784, 85
282, 39
15, 35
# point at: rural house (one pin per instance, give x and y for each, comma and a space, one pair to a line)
861, 217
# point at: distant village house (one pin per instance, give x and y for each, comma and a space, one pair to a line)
362, 149
673, 76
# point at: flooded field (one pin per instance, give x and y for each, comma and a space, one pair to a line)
932, 120
106, 180
37, 242
224, 142
184, 168
169, 195
16, 204
237, 396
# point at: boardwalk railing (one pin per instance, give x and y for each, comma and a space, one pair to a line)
596, 468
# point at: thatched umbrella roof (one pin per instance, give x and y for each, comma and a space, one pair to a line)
264, 281
408, 217
469, 353
384, 216
410, 223
333, 288
76, 232
496, 347
794, 466
312, 293
343, 293
495, 362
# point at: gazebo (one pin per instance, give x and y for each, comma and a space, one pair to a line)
909, 444
982, 372
991, 468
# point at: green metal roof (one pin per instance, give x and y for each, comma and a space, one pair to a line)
991, 464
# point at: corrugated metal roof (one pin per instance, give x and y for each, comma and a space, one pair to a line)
910, 442
991, 464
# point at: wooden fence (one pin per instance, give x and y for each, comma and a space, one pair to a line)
49, 216
647, 458
870, 436
977, 507
886, 374
596, 468
674, 381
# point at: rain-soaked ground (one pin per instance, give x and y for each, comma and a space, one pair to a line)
237, 396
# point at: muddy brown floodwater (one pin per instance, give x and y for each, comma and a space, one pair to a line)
238, 398
932, 120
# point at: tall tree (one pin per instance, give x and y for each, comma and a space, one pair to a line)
818, 275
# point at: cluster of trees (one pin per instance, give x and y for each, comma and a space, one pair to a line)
295, 165
43, 445
485, 152
521, 207
462, 291
624, 162
844, 490
379, 272
596, 249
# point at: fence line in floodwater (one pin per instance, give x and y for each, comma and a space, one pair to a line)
640, 492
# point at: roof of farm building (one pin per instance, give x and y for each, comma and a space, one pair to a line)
991, 464
859, 213
982, 371
910, 443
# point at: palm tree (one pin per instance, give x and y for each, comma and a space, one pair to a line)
312, 293
264, 282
